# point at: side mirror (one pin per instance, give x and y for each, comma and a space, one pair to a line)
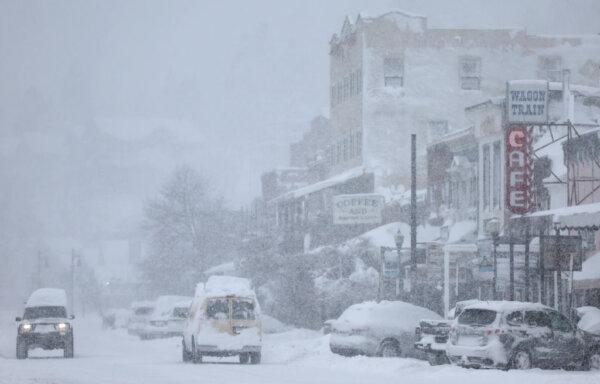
72, 317
18, 319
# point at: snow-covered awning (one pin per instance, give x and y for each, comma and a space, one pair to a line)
585, 216
338, 179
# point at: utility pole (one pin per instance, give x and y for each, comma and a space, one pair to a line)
413, 212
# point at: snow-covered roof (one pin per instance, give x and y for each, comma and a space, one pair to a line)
228, 285
385, 315
142, 304
47, 297
337, 179
506, 306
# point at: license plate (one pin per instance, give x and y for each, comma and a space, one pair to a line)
44, 328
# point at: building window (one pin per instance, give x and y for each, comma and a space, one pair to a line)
470, 72
486, 176
345, 149
473, 192
496, 175
338, 155
359, 144
393, 72
550, 68
359, 81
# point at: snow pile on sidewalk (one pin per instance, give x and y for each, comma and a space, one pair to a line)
589, 319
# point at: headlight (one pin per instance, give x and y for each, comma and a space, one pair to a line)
62, 327
24, 328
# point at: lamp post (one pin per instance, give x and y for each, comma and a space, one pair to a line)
399, 239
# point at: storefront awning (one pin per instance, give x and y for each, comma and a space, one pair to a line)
585, 216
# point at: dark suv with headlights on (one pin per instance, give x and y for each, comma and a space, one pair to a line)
45, 324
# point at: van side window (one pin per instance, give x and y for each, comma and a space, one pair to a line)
515, 318
537, 319
218, 309
559, 322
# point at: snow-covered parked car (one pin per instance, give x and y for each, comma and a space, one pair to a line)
224, 320
383, 329
509, 334
432, 335
45, 323
167, 319
141, 311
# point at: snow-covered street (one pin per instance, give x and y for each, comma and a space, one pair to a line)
297, 356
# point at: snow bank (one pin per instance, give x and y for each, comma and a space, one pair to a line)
272, 325
590, 269
48, 297
395, 316
589, 319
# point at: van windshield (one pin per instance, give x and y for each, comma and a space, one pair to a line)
242, 309
41, 312
477, 317
218, 309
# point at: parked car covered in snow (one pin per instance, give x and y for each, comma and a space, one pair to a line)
505, 334
383, 329
224, 320
45, 323
432, 335
141, 311
167, 319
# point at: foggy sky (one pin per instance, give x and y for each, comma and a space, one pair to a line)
249, 74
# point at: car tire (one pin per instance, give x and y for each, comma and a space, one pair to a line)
68, 351
255, 358
185, 355
22, 349
521, 359
244, 358
437, 359
196, 357
389, 348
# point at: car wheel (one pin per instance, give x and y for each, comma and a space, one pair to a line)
389, 348
185, 355
437, 358
255, 358
521, 360
244, 358
22, 349
594, 360
68, 351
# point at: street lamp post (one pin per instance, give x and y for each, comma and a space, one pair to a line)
399, 239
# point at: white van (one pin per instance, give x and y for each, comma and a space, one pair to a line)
224, 320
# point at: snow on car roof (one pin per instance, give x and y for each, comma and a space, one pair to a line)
142, 304
505, 306
47, 297
228, 285
396, 315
